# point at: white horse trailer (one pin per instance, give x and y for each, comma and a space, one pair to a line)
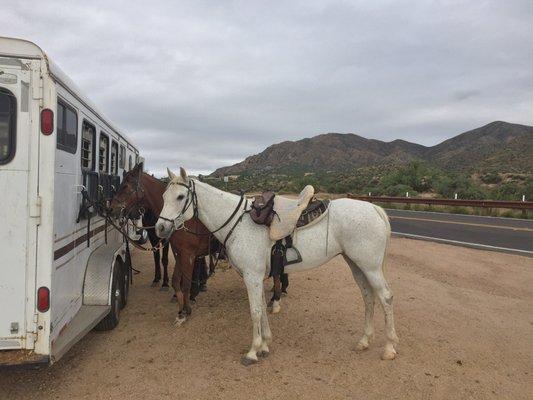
63, 269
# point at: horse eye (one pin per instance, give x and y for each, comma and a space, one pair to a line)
180, 197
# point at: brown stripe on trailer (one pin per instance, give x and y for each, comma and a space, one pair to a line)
76, 242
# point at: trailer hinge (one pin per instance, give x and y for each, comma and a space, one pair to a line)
35, 322
36, 83
35, 210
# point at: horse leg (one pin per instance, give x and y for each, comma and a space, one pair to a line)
176, 279
276, 297
157, 266
164, 260
202, 277
266, 333
254, 287
195, 284
368, 296
187, 265
284, 283
384, 294
374, 274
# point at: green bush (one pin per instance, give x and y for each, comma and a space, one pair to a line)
491, 178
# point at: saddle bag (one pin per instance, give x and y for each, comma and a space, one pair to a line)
262, 211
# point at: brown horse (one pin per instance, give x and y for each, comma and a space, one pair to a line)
141, 191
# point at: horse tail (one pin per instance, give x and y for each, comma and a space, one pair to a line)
383, 215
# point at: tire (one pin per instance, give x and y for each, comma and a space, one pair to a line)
112, 319
126, 274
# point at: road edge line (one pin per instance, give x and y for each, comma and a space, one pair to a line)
478, 246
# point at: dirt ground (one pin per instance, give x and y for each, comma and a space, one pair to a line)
464, 317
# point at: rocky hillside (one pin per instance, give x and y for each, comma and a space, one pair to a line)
499, 145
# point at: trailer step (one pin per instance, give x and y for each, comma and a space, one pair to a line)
85, 320
21, 359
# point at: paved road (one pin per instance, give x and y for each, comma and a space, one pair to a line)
503, 234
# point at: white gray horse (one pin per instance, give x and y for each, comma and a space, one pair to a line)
358, 230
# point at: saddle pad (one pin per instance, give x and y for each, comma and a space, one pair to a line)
314, 210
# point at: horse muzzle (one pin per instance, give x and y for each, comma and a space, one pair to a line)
164, 229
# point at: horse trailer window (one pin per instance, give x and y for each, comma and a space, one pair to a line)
103, 154
88, 144
130, 163
67, 128
114, 158
8, 125
122, 157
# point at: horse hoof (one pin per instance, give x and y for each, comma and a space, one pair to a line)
361, 345
284, 293
203, 288
179, 321
389, 353
155, 284
276, 308
248, 361
193, 301
164, 289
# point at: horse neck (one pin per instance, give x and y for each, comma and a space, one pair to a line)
215, 207
153, 193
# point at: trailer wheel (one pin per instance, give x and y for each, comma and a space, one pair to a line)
126, 274
111, 320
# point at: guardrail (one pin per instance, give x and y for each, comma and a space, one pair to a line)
516, 205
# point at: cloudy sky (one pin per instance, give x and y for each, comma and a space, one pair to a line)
204, 84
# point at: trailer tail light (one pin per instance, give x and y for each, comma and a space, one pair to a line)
43, 299
47, 121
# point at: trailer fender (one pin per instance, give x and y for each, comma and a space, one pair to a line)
99, 274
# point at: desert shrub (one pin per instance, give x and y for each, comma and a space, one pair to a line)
491, 178
508, 191
400, 190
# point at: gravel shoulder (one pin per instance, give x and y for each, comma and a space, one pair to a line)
464, 318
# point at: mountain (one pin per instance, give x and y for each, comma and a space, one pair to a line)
499, 145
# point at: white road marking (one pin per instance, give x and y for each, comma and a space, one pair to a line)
457, 214
442, 221
467, 244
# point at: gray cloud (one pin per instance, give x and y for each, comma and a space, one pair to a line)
205, 84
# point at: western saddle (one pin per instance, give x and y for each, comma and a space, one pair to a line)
283, 216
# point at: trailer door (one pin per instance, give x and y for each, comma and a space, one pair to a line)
17, 236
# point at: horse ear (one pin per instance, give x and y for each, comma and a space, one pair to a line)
183, 174
171, 174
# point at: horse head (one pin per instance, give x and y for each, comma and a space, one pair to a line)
178, 204
128, 200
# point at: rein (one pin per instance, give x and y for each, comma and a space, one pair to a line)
160, 245
99, 206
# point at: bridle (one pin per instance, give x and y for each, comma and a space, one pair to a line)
178, 222
134, 209
127, 213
